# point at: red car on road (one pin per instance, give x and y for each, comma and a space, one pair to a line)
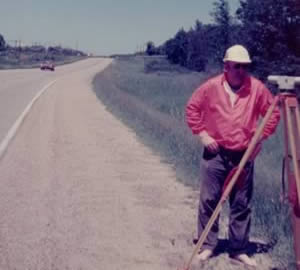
47, 66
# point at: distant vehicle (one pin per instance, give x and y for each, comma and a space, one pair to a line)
47, 65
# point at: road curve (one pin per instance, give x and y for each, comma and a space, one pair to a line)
19, 86
79, 191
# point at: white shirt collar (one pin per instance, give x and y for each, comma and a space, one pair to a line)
231, 93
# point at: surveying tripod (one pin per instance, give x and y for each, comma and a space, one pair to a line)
291, 117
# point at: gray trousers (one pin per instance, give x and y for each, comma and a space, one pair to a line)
214, 170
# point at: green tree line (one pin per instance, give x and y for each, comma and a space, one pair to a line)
32, 56
269, 29
53, 50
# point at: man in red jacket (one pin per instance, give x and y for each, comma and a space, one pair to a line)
223, 112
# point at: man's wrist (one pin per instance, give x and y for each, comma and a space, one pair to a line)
203, 134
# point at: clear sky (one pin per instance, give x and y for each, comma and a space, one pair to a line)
101, 27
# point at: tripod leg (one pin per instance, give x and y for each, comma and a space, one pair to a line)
286, 142
296, 228
294, 134
297, 113
292, 139
296, 218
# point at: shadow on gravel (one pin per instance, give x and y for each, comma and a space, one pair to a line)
252, 249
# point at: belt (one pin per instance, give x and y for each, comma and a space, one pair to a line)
231, 155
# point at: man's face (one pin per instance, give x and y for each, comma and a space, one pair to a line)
236, 73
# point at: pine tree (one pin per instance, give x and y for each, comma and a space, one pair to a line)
222, 19
2, 43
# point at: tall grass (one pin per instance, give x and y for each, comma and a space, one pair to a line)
150, 95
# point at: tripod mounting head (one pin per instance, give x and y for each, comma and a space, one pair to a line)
287, 83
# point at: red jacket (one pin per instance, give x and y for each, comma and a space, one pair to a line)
232, 127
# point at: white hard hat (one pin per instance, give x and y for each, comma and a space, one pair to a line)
237, 53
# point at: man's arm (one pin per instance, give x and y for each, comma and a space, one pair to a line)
195, 115
266, 100
195, 111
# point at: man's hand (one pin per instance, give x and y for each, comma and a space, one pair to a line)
208, 142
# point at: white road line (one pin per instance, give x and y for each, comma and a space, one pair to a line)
13, 130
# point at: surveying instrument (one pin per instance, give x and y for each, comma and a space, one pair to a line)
287, 99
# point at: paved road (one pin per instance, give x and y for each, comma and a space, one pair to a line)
79, 191
18, 87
